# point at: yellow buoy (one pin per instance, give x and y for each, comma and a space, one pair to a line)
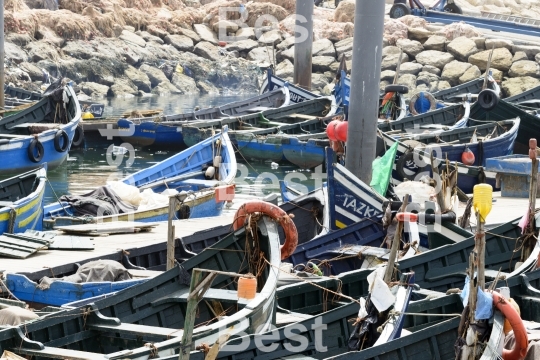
482, 199
87, 115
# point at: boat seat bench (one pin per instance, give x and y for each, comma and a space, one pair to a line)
136, 329
58, 353
222, 295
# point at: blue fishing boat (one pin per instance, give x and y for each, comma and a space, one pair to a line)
166, 130
493, 139
297, 94
62, 292
41, 133
21, 201
203, 176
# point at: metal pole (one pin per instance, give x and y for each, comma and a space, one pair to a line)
2, 54
303, 43
170, 233
365, 78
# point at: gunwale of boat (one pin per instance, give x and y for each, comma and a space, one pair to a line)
146, 299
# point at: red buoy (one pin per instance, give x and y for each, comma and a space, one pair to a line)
222, 43
341, 130
331, 129
467, 157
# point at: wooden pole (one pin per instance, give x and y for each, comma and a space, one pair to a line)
532, 190
440, 194
170, 232
197, 289
191, 312
395, 245
2, 54
480, 251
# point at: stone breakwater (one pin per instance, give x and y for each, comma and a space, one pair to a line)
139, 47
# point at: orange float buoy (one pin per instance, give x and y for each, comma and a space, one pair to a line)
507, 326
520, 348
247, 288
341, 131
276, 213
331, 129
387, 97
467, 157
222, 43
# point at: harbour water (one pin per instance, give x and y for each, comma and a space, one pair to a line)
88, 168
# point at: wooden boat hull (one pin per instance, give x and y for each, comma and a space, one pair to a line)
24, 213
181, 171
529, 99
445, 147
256, 146
335, 329
166, 131
61, 292
263, 123
467, 178
297, 94
16, 136
529, 123
306, 154
154, 311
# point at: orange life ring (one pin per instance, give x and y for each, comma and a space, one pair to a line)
522, 342
276, 213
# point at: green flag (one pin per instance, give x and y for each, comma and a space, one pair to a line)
382, 170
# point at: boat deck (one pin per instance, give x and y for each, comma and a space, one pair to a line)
112, 244
504, 209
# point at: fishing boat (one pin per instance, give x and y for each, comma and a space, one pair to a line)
166, 130
504, 110
297, 94
41, 133
322, 334
485, 141
268, 145
21, 201
197, 174
527, 100
92, 279
291, 119
159, 311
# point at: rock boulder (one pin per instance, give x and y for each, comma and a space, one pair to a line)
410, 47
501, 60
180, 42
461, 48
453, 71
515, 86
524, 68
434, 58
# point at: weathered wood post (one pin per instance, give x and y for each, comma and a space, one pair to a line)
171, 233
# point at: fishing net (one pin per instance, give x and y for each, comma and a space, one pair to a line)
395, 30
15, 5
345, 12
104, 22
289, 5
455, 30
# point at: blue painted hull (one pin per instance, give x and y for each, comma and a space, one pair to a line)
182, 172
260, 150
14, 152
367, 232
61, 292
304, 154
28, 210
149, 133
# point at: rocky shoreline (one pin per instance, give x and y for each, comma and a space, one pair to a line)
137, 48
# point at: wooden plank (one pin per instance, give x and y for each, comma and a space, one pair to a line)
111, 246
138, 330
115, 227
140, 274
59, 353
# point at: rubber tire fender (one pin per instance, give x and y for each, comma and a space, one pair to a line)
453, 8
400, 89
41, 151
406, 157
274, 212
488, 99
57, 138
78, 137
